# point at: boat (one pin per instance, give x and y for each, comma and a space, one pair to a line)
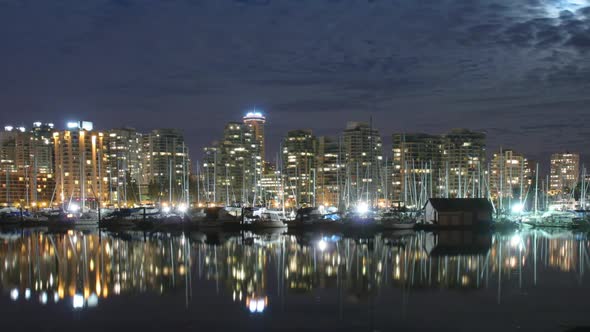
559, 219
269, 219
396, 220
64, 219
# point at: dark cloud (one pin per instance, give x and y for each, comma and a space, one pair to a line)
429, 64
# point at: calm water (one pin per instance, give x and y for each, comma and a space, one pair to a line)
455, 281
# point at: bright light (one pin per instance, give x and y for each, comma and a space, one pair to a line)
182, 208
8, 128
92, 300
362, 208
515, 241
252, 306
517, 208
14, 294
43, 298
73, 207
260, 305
55, 297
166, 209
27, 293
322, 245
78, 301
72, 125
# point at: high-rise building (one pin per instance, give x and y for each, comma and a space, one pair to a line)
464, 163
510, 177
239, 169
330, 171
26, 166
81, 162
256, 121
272, 186
209, 176
417, 168
363, 151
125, 166
166, 165
565, 170
299, 162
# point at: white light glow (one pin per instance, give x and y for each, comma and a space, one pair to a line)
73, 207
166, 209
78, 301
43, 298
517, 208
72, 125
182, 208
322, 245
362, 208
27, 293
14, 294
260, 305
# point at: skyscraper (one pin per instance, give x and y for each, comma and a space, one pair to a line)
299, 163
510, 174
81, 164
256, 121
417, 168
26, 165
565, 171
463, 157
166, 165
363, 151
330, 171
125, 166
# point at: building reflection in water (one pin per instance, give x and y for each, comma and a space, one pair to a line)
83, 269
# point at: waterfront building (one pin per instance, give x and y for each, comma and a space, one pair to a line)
510, 177
272, 186
125, 166
464, 163
239, 166
417, 168
256, 120
166, 165
300, 164
330, 171
81, 162
363, 151
26, 166
209, 176
565, 170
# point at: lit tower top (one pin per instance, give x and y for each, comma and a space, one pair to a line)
256, 120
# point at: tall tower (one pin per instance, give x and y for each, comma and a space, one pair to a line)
256, 120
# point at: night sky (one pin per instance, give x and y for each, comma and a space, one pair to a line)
518, 69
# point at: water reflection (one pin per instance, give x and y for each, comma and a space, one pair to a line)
83, 269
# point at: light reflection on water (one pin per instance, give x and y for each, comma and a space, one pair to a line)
83, 270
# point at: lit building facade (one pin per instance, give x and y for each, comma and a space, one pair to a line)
464, 163
256, 121
166, 165
416, 168
81, 163
330, 171
299, 162
125, 166
510, 177
363, 151
26, 166
565, 171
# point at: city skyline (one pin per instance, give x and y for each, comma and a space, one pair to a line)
516, 70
